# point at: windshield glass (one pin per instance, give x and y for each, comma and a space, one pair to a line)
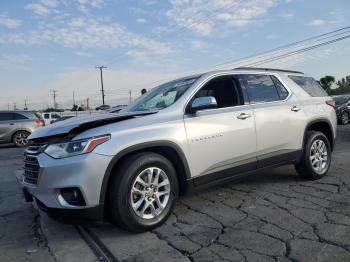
162, 96
341, 100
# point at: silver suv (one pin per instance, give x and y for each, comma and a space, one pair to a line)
180, 137
16, 126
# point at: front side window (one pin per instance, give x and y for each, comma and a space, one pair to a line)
6, 116
225, 90
310, 85
260, 88
162, 96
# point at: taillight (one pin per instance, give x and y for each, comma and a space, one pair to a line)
331, 103
39, 122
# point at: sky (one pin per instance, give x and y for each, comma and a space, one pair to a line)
50, 45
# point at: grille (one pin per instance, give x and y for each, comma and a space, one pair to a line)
31, 165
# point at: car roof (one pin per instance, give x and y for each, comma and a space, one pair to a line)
16, 111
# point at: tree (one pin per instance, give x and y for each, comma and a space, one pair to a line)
344, 85
327, 82
74, 108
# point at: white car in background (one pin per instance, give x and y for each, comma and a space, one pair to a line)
50, 117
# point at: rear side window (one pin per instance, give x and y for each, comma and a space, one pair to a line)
260, 88
17, 116
281, 90
310, 85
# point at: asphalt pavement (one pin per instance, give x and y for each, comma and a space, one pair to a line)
271, 216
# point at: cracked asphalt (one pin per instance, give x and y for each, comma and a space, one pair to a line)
271, 216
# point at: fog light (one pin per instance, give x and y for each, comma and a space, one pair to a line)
73, 196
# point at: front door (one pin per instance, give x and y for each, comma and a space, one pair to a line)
221, 141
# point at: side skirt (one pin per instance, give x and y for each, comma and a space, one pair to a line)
198, 184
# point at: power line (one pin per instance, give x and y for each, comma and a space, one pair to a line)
102, 90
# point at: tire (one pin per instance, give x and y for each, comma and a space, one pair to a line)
20, 138
344, 118
314, 141
123, 183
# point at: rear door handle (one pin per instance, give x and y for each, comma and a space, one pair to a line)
295, 109
243, 116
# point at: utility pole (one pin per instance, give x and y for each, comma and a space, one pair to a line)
129, 96
14, 106
25, 104
8, 106
102, 90
73, 99
87, 103
54, 94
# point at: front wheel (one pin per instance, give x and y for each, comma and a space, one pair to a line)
143, 192
316, 158
344, 118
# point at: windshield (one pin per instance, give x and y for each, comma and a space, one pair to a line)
341, 100
162, 96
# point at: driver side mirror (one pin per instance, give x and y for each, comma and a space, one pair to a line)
201, 103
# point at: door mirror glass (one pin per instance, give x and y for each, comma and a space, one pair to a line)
201, 103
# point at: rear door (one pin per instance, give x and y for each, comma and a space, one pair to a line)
279, 118
7, 126
221, 141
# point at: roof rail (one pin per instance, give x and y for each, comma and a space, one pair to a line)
267, 69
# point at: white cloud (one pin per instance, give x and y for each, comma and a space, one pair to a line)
38, 9
84, 54
141, 20
50, 3
10, 22
86, 5
201, 16
88, 33
317, 22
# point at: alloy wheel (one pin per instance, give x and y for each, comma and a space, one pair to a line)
21, 138
319, 156
345, 118
150, 193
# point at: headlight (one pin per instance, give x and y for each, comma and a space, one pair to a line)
73, 148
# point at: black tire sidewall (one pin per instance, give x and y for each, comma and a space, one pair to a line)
134, 167
311, 138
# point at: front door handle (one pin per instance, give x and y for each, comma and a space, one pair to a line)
295, 109
243, 116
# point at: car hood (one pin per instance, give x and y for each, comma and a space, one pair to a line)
73, 126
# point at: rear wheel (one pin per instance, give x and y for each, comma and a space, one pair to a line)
316, 158
344, 118
143, 192
20, 138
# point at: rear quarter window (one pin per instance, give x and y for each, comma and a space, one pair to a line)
310, 85
18, 116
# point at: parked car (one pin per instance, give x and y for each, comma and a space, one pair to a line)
103, 107
342, 108
116, 109
16, 126
178, 138
61, 119
50, 117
